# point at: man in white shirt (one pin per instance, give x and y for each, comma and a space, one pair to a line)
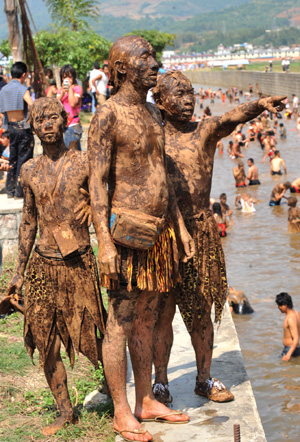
295, 104
100, 83
94, 74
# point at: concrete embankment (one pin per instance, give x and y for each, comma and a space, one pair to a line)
210, 421
275, 83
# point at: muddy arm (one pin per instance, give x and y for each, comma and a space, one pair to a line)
27, 233
179, 226
100, 148
223, 126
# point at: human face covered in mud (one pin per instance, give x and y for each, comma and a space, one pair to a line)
48, 120
138, 65
175, 96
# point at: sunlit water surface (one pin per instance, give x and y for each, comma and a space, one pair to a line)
262, 259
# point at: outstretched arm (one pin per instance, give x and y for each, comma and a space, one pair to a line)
27, 233
223, 126
100, 148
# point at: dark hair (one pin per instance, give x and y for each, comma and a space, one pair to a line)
18, 69
287, 185
281, 124
217, 208
251, 159
68, 70
292, 201
6, 134
276, 152
284, 299
96, 65
223, 195
230, 143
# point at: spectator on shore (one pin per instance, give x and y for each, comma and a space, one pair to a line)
71, 95
14, 102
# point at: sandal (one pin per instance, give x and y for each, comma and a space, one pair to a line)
162, 393
162, 418
214, 390
135, 431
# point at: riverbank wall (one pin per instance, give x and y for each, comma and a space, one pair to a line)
271, 83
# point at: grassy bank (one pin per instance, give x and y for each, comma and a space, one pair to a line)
261, 66
26, 402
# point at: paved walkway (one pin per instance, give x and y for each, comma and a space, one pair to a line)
209, 421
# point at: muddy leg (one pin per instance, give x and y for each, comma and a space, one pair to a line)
118, 327
202, 342
141, 351
57, 380
163, 339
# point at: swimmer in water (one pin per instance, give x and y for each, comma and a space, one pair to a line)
252, 176
295, 187
293, 215
276, 164
278, 192
245, 202
239, 175
291, 326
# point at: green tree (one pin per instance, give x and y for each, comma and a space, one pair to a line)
158, 39
5, 48
78, 48
72, 13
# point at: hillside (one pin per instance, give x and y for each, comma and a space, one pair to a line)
198, 24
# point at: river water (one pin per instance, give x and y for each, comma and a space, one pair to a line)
263, 259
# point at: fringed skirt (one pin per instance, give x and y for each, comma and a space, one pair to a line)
63, 297
155, 269
203, 278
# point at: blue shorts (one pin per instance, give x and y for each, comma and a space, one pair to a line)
295, 353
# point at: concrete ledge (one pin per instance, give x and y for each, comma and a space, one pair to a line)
273, 83
210, 421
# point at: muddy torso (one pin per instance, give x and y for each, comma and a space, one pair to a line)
42, 181
190, 158
138, 178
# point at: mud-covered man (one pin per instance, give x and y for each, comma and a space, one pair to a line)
190, 149
129, 194
62, 296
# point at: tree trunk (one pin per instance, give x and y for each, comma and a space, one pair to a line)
14, 36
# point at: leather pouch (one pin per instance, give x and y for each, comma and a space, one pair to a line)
134, 229
65, 239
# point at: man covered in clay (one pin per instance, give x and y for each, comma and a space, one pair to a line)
62, 296
131, 203
190, 149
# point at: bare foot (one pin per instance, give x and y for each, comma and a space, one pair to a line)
152, 409
124, 422
59, 424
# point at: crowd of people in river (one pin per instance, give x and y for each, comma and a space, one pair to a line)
265, 131
147, 175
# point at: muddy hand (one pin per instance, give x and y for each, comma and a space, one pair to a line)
84, 210
12, 295
108, 261
189, 247
273, 104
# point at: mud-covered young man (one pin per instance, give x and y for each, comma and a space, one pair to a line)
62, 297
131, 202
190, 149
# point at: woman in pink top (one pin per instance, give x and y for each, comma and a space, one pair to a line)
71, 95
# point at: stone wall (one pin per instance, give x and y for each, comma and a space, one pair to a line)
275, 83
9, 230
